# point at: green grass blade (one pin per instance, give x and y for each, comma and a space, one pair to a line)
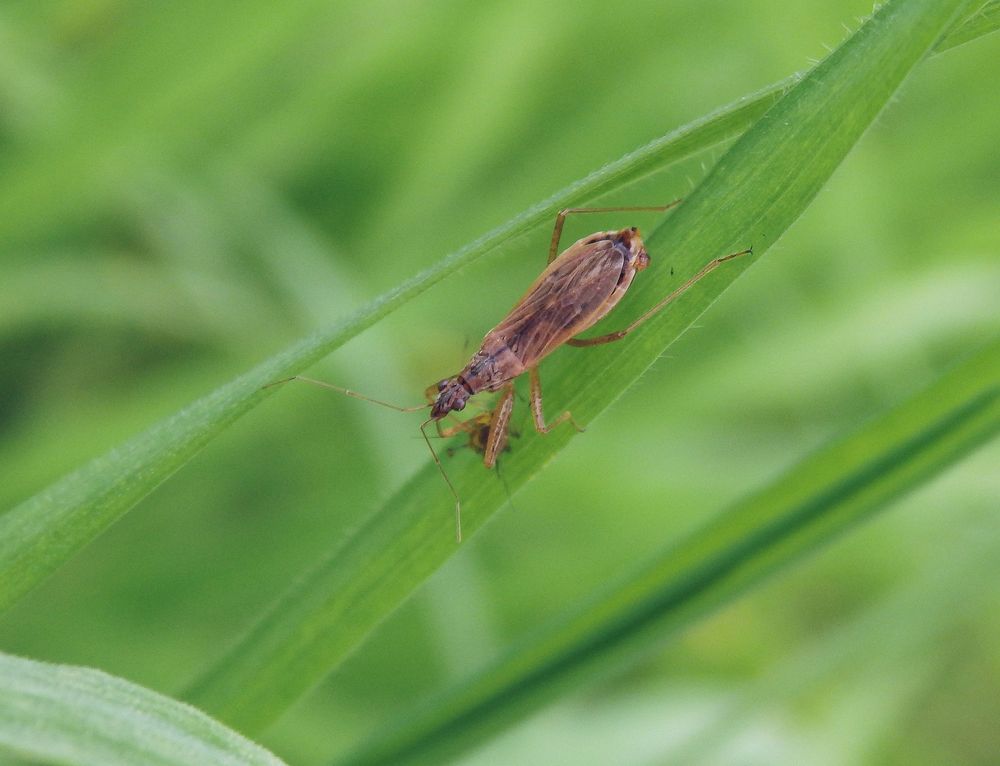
984, 21
821, 497
752, 196
58, 714
924, 612
37, 536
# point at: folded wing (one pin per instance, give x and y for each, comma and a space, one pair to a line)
566, 299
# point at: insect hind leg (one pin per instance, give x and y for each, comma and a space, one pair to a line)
649, 313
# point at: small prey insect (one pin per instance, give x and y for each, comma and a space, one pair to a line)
576, 290
478, 428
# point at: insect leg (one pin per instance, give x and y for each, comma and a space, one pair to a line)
561, 219
499, 422
463, 427
536, 407
471, 426
613, 336
347, 392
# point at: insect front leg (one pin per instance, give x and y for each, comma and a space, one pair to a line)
536, 407
460, 427
499, 423
488, 431
649, 313
477, 428
561, 219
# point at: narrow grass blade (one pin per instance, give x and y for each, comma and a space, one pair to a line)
818, 499
984, 21
751, 197
907, 628
58, 714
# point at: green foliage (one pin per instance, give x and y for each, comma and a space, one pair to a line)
822, 496
155, 240
57, 714
753, 194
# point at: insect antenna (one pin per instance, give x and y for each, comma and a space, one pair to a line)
347, 392
440, 465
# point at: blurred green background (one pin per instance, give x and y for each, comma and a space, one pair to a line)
187, 187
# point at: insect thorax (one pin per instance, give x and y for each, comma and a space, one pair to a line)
492, 366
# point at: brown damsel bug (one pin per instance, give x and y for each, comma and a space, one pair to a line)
575, 291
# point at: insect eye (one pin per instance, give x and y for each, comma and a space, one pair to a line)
442, 384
